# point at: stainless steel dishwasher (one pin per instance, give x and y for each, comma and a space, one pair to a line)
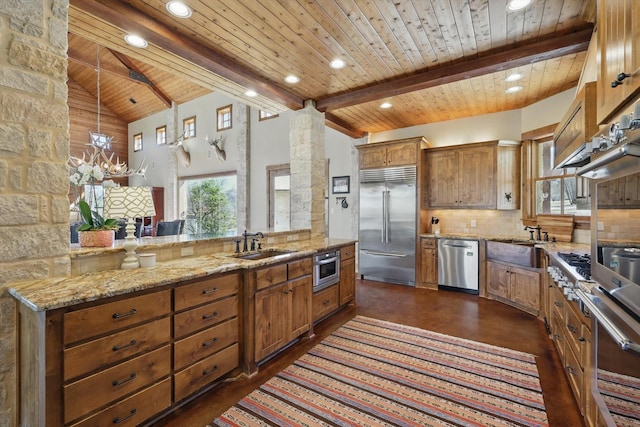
458, 265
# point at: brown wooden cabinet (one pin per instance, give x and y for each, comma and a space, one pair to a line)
619, 44
117, 361
467, 176
282, 309
391, 153
428, 263
347, 274
620, 193
515, 285
571, 332
325, 302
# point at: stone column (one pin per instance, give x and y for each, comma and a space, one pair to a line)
243, 121
172, 208
34, 150
308, 170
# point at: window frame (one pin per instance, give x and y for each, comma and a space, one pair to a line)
161, 135
221, 117
137, 142
265, 115
191, 123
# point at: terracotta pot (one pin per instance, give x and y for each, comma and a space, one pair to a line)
96, 238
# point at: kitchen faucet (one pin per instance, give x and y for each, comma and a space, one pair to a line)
531, 231
253, 241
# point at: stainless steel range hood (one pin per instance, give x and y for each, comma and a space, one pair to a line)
612, 161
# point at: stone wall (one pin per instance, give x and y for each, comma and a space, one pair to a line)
34, 148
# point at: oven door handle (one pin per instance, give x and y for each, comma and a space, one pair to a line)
619, 337
326, 261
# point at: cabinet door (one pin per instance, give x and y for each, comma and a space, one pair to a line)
347, 280
442, 179
374, 157
299, 302
618, 29
525, 290
632, 190
611, 193
271, 304
402, 154
429, 264
476, 177
499, 279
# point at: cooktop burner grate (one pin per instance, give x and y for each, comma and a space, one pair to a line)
582, 263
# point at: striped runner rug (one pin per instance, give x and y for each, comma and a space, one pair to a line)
375, 373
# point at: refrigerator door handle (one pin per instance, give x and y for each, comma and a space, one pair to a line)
383, 231
384, 254
387, 215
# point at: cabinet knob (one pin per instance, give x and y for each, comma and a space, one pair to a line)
619, 78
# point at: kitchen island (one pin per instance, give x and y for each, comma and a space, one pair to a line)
117, 345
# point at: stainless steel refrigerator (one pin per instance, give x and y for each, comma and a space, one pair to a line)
387, 237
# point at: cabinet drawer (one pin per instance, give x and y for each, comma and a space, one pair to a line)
270, 276
204, 343
325, 301
557, 329
574, 373
133, 410
205, 372
205, 291
88, 394
299, 268
104, 318
347, 252
572, 331
105, 351
428, 243
201, 317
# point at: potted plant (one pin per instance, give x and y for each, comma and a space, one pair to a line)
95, 231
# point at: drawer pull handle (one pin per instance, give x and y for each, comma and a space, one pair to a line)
117, 383
571, 370
557, 304
209, 316
118, 420
326, 302
557, 337
572, 328
204, 374
209, 291
582, 339
120, 347
129, 313
210, 342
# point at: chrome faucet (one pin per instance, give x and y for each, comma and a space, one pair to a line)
532, 230
253, 241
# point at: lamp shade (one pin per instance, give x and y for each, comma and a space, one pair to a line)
128, 202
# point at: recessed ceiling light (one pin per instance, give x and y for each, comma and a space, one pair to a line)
518, 4
513, 89
135, 41
179, 9
292, 79
386, 105
251, 93
337, 63
513, 77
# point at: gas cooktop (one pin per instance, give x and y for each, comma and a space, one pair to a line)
581, 263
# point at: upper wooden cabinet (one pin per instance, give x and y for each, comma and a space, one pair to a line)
470, 176
577, 126
619, 44
391, 153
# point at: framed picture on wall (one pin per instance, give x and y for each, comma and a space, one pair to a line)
340, 184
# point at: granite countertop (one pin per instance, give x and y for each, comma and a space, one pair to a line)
58, 292
581, 248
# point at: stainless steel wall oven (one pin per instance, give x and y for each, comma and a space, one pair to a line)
614, 304
326, 269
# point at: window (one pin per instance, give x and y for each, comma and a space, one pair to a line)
279, 182
161, 135
558, 191
265, 115
137, 142
208, 204
224, 117
189, 126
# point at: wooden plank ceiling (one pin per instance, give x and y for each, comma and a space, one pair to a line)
432, 60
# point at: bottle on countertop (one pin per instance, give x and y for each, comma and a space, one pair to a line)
435, 226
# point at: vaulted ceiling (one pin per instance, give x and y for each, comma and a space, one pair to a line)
433, 60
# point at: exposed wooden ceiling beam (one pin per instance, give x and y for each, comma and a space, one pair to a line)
553, 47
132, 67
340, 125
132, 20
76, 57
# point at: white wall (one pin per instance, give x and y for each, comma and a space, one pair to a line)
270, 146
